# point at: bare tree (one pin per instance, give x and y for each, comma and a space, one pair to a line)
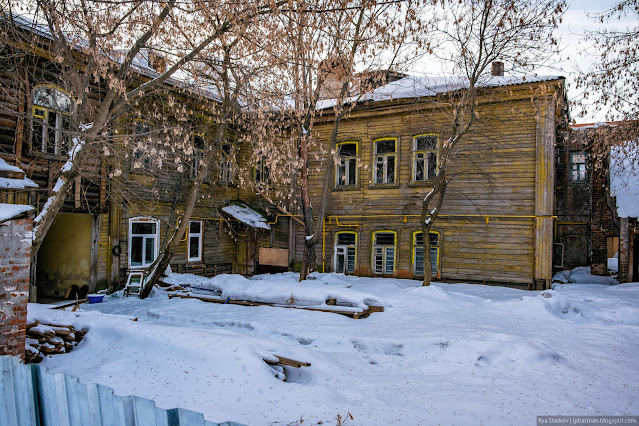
468, 38
611, 85
324, 47
94, 43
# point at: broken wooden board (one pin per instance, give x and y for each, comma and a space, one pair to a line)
287, 362
355, 313
66, 305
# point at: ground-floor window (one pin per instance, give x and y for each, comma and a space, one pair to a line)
384, 248
143, 241
418, 253
195, 240
345, 252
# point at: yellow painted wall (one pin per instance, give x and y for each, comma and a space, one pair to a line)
65, 256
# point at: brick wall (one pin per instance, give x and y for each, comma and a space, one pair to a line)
15, 253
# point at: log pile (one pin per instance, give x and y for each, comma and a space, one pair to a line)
50, 339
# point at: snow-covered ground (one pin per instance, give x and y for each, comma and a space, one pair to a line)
444, 354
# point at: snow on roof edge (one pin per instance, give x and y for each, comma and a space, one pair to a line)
10, 211
428, 86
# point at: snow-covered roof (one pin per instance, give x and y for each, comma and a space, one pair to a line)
8, 183
624, 178
9, 211
180, 78
247, 215
424, 86
4, 166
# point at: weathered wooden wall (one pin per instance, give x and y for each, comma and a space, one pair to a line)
496, 220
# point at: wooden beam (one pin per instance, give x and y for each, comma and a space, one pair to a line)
288, 362
363, 313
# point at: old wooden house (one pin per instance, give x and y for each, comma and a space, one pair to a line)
496, 225
134, 188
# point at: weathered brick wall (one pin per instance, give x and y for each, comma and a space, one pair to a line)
15, 252
573, 203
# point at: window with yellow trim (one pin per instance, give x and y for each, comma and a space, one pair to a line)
346, 167
345, 257
50, 132
425, 157
384, 248
384, 160
418, 253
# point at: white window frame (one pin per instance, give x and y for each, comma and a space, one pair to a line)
425, 154
344, 162
385, 251
40, 116
344, 249
197, 235
383, 160
156, 237
579, 175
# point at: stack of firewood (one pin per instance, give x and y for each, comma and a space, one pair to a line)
49, 339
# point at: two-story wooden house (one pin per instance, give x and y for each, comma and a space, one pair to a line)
496, 224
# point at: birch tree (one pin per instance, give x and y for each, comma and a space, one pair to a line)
469, 36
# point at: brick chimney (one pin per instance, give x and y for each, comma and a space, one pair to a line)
497, 69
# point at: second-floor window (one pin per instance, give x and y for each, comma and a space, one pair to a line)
346, 173
577, 167
142, 148
199, 150
226, 163
424, 158
262, 173
384, 160
51, 120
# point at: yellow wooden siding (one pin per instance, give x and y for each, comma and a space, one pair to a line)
499, 175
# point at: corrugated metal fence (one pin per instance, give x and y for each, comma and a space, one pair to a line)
33, 396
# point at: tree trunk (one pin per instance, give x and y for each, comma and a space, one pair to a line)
428, 217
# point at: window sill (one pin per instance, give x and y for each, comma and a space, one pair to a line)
57, 157
346, 188
426, 184
383, 185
